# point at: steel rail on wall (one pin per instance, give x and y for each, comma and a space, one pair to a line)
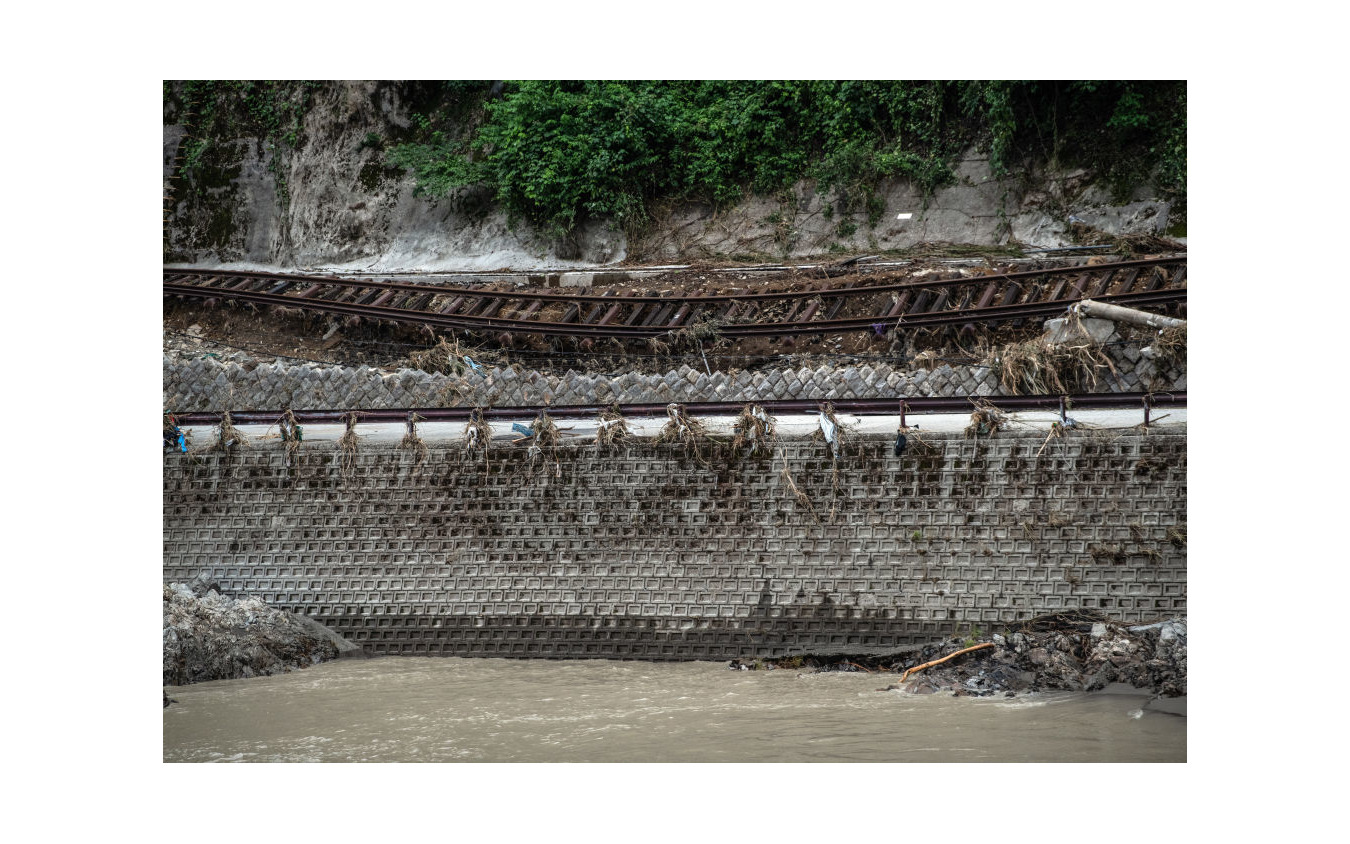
859, 407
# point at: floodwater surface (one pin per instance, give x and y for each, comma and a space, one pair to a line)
412, 709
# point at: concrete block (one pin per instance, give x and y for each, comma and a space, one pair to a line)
1097, 330
576, 279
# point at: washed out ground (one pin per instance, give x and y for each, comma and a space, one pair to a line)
192, 329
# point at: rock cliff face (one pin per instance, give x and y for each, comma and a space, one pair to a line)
330, 201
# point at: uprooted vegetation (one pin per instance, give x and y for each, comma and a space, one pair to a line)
412, 441
755, 431
685, 430
346, 447
1169, 349
1038, 367
611, 429
985, 420
542, 454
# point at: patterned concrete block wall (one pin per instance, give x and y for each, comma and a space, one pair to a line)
237, 383
648, 552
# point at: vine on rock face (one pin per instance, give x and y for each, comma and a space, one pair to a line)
560, 153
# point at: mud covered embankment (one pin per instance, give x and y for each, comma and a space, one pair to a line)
1053, 655
208, 636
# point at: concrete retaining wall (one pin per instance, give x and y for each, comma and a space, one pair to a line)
237, 383
646, 552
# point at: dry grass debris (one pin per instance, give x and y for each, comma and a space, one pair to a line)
543, 450
612, 429
695, 333
985, 421
1176, 535
684, 429
927, 359
413, 443
228, 437
478, 434
346, 447
1035, 367
755, 430
1127, 246
802, 498
448, 358
291, 435
1169, 349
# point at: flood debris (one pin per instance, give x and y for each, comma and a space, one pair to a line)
228, 437
477, 433
611, 429
947, 658
1077, 650
1176, 535
346, 447
755, 431
836, 435
910, 440
175, 438
208, 636
985, 420
1126, 245
927, 360
448, 358
802, 498
543, 449
1169, 350
684, 429
292, 434
833, 432
1038, 367
412, 442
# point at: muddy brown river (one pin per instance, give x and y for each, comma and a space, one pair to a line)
486, 710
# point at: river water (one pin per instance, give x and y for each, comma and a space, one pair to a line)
410, 709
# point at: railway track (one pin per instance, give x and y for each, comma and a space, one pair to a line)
862, 407
877, 302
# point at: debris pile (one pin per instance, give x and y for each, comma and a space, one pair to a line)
985, 421
1169, 350
208, 636
346, 446
1037, 367
755, 431
683, 428
612, 429
1064, 651
229, 438
412, 441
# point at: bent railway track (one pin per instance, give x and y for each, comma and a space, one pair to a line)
833, 306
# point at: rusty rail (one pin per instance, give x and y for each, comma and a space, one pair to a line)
913, 303
908, 405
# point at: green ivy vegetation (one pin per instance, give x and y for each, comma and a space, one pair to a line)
558, 153
216, 112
